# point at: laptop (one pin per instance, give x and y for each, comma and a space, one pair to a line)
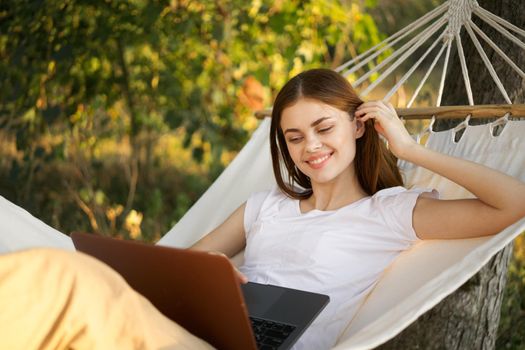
200, 291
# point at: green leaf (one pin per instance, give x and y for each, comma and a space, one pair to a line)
173, 118
198, 154
51, 114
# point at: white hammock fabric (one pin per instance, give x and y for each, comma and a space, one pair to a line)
21, 230
419, 278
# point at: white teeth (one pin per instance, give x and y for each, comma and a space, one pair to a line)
319, 160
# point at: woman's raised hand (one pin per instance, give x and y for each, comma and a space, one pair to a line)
388, 124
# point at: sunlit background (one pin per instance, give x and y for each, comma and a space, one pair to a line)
115, 116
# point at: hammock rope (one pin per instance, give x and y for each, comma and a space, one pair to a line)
487, 62
481, 12
427, 74
464, 71
403, 58
412, 45
404, 31
414, 67
497, 49
443, 75
459, 12
455, 14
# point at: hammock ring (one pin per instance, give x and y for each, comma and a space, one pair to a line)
428, 130
457, 132
497, 126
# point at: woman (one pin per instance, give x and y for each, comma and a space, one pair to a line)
339, 216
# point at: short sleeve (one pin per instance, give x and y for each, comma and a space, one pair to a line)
253, 208
398, 209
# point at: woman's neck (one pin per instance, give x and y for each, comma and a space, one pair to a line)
342, 191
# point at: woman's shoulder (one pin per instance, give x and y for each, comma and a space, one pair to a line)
399, 199
263, 204
395, 206
272, 194
403, 191
267, 199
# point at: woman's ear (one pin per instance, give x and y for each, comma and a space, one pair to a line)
360, 128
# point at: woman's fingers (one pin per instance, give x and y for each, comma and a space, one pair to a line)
387, 124
371, 104
365, 117
391, 107
376, 109
367, 111
241, 276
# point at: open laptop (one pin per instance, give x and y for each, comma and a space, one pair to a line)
201, 292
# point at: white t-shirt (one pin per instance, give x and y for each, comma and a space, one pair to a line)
341, 253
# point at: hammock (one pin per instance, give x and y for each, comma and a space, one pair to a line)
420, 277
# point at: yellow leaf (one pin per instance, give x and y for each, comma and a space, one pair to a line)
155, 82
132, 223
51, 67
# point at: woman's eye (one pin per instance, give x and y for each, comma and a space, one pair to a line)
326, 129
295, 139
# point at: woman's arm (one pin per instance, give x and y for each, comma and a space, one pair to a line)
500, 198
228, 238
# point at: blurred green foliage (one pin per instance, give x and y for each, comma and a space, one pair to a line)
89, 88
511, 334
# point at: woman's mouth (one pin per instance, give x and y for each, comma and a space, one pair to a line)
319, 162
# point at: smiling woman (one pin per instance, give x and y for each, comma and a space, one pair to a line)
326, 102
325, 148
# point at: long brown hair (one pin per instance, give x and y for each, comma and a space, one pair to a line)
375, 165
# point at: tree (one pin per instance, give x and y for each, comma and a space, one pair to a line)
468, 318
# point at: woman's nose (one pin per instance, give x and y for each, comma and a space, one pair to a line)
313, 144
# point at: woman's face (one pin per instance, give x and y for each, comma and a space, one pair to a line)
321, 139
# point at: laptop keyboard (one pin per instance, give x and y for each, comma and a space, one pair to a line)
270, 335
